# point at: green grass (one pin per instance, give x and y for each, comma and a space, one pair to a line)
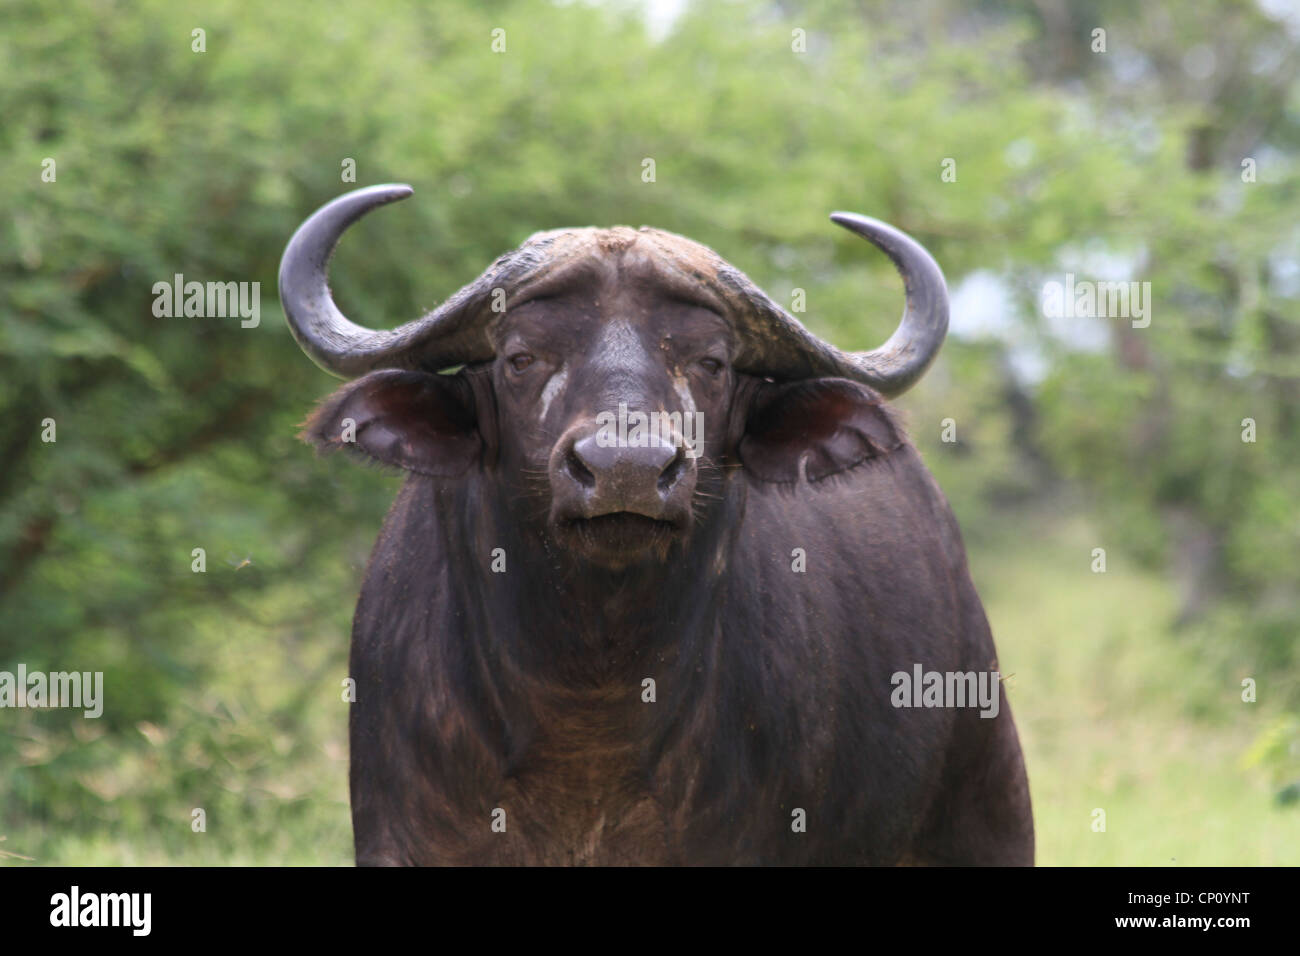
1117, 711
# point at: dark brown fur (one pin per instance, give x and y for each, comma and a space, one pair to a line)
521, 691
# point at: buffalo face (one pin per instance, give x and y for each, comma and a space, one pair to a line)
611, 380
617, 394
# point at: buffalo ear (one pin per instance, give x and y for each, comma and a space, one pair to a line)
817, 428
418, 421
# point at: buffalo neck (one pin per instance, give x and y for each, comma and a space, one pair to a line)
557, 618
553, 655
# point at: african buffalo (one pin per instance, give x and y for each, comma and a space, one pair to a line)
581, 643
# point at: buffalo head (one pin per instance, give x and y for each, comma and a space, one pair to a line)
610, 379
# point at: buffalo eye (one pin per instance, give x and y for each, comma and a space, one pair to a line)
521, 361
711, 365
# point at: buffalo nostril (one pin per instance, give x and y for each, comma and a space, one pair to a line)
578, 469
673, 470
